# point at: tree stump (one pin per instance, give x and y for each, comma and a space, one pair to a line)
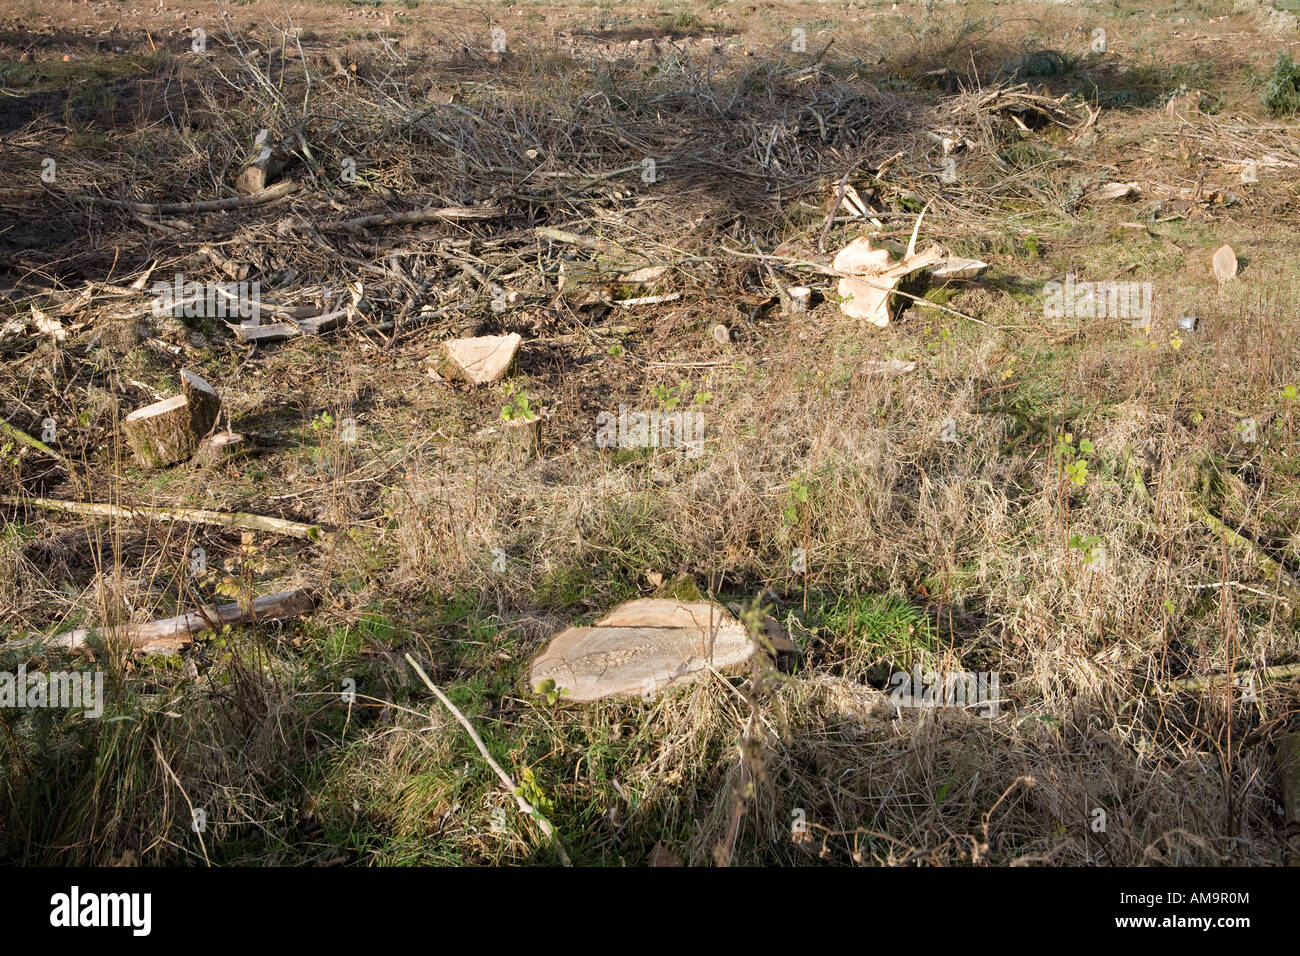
642, 647
523, 438
169, 431
219, 448
267, 162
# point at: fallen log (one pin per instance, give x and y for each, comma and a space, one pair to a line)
170, 431
171, 634
225, 519
279, 331
269, 332
1240, 678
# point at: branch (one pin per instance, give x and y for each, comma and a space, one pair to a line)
227, 519
428, 214
207, 205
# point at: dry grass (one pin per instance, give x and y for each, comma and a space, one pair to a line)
973, 554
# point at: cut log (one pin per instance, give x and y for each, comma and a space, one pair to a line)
174, 633
219, 448
641, 648
265, 165
478, 360
169, 431
268, 332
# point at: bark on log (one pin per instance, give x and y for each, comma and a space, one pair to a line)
174, 633
169, 431
268, 332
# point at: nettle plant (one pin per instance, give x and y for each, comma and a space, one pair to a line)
240, 571
1089, 546
518, 407
670, 396
796, 494
1075, 458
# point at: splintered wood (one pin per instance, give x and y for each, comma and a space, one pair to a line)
641, 648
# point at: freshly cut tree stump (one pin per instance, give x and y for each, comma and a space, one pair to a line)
169, 431
641, 648
478, 360
218, 448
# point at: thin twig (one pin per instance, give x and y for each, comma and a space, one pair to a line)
506, 781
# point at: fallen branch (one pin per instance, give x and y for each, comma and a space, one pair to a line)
171, 634
226, 519
1216, 680
587, 242
506, 781
1269, 567
19, 435
428, 214
647, 300
206, 205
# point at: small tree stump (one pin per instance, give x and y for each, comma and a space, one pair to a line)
219, 448
267, 162
169, 431
523, 438
642, 647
